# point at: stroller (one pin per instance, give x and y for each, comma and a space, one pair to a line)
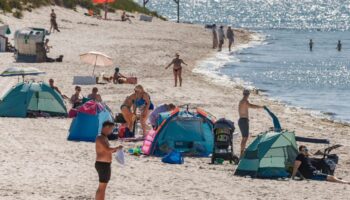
223, 141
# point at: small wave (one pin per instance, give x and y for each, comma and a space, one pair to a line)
210, 67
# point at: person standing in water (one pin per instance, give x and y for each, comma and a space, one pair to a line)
221, 37
339, 45
311, 44
230, 36
177, 68
104, 158
215, 37
243, 122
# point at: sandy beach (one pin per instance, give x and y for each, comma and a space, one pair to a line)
37, 162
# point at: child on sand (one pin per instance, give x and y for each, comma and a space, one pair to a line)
104, 158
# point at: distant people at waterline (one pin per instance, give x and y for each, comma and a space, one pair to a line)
221, 37
311, 44
339, 45
215, 37
230, 36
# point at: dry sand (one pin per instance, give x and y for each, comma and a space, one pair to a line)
37, 162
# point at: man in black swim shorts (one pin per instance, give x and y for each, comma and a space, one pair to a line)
104, 158
243, 122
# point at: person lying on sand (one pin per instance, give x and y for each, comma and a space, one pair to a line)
94, 95
76, 99
304, 166
177, 68
52, 85
138, 100
243, 122
153, 117
104, 158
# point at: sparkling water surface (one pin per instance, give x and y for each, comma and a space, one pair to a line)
282, 64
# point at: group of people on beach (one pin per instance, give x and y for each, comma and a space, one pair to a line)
302, 162
219, 37
140, 99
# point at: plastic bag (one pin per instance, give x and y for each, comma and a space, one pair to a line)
120, 157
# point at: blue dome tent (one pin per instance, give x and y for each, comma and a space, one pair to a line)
88, 122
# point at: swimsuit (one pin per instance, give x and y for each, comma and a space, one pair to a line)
243, 124
104, 171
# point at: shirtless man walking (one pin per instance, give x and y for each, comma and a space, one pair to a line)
104, 158
177, 68
243, 121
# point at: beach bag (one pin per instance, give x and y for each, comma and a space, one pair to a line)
173, 157
73, 113
121, 131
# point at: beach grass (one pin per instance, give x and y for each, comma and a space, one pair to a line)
17, 6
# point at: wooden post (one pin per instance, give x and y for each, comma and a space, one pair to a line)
178, 10
145, 2
106, 10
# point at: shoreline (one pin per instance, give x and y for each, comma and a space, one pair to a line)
215, 61
39, 163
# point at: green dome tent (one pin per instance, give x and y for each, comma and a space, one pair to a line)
269, 156
32, 97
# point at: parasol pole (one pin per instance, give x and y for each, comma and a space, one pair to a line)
93, 72
106, 9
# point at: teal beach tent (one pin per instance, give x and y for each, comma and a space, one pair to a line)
32, 97
270, 155
190, 133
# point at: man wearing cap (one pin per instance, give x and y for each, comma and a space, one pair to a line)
243, 121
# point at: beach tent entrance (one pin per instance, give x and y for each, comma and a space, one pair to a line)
183, 131
24, 98
88, 122
270, 155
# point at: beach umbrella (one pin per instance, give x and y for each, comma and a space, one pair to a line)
96, 59
105, 2
21, 71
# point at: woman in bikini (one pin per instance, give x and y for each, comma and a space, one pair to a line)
138, 100
177, 68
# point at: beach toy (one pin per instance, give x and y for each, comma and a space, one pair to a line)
120, 157
173, 157
135, 151
219, 161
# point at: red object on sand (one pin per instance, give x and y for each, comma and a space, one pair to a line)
103, 1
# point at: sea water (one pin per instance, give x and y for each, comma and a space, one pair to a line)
279, 61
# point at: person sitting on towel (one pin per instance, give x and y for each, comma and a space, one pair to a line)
304, 166
77, 98
94, 95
